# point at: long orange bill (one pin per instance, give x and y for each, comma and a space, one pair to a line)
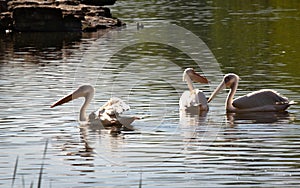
63, 100
198, 78
216, 91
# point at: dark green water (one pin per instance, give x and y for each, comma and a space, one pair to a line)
258, 40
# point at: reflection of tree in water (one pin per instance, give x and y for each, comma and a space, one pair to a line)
39, 46
130, 54
44, 40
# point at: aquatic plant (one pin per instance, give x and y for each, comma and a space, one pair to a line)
40, 173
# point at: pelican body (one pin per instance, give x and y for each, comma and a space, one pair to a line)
193, 98
107, 115
264, 100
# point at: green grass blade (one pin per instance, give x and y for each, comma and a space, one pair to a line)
15, 172
42, 166
140, 183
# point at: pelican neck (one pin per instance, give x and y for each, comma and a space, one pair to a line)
230, 96
190, 84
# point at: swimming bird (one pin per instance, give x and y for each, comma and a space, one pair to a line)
107, 115
265, 100
193, 97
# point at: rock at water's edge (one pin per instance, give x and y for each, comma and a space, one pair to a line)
35, 15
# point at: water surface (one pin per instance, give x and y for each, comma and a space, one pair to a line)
257, 40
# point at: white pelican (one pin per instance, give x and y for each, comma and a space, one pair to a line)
107, 115
193, 97
265, 100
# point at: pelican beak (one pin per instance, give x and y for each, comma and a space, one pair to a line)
198, 78
63, 100
217, 90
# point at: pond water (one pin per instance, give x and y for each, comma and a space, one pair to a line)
258, 40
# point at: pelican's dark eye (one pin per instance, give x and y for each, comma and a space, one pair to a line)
227, 79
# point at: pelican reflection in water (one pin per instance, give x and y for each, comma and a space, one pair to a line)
193, 98
265, 100
108, 115
254, 117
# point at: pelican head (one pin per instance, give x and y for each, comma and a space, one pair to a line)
230, 80
190, 74
86, 91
